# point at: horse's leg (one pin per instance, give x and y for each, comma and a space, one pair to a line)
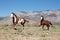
43, 27
14, 25
48, 27
22, 25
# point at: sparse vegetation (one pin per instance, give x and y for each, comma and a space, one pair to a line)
29, 33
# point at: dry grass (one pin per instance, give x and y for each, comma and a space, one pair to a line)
29, 33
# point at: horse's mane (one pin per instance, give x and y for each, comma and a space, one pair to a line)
13, 17
14, 14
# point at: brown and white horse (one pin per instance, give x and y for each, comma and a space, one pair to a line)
17, 20
45, 22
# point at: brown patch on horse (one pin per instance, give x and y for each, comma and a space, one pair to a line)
45, 22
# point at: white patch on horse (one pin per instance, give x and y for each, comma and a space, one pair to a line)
15, 19
21, 20
11, 15
41, 18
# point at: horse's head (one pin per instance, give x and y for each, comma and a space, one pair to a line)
12, 14
41, 17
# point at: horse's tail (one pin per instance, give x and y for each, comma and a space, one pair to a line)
51, 24
26, 21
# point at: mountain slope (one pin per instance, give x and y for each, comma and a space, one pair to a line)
51, 15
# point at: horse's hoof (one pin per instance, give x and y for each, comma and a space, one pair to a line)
15, 28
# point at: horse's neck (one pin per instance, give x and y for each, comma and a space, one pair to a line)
14, 19
42, 20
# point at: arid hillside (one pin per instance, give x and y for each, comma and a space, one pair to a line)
34, 16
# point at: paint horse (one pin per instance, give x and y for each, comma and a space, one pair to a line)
17, 20
45, 23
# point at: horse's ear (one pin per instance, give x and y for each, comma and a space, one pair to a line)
41, 16
12, 12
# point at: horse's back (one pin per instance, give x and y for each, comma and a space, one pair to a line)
46, 22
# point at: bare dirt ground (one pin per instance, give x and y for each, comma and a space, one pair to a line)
29, 33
